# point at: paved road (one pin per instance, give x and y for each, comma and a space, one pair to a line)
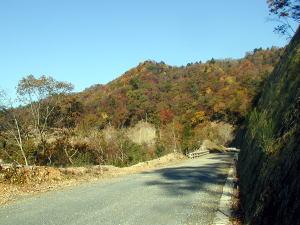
185, 193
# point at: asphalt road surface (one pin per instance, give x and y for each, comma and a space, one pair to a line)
185, 193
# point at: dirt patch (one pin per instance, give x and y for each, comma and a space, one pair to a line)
19, 182
212, 147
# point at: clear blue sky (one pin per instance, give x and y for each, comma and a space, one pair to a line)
87, 42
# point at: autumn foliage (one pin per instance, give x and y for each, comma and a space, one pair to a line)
159, 93
180, 102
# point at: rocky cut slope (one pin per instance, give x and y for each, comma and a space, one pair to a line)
268, 166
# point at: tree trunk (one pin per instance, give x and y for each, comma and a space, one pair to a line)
20, 143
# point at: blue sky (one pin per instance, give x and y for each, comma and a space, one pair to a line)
89, 42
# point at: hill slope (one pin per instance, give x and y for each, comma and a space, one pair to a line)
177, 107
156, 92
269, 160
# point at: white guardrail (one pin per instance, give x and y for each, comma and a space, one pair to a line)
202, 151
197, 154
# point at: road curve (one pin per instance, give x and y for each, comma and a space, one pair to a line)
185, 193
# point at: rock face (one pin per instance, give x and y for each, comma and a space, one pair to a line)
268, 166
142, 133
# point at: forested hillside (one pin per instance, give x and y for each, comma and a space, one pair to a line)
151, 110
156, 92
268, 166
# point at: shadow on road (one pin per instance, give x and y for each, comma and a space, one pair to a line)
183, 180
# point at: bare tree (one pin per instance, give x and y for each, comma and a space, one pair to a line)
285, 11
11, 124
41, 96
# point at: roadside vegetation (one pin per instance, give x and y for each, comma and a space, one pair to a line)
268, 167
151, 110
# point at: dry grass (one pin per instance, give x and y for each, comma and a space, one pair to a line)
237, 212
